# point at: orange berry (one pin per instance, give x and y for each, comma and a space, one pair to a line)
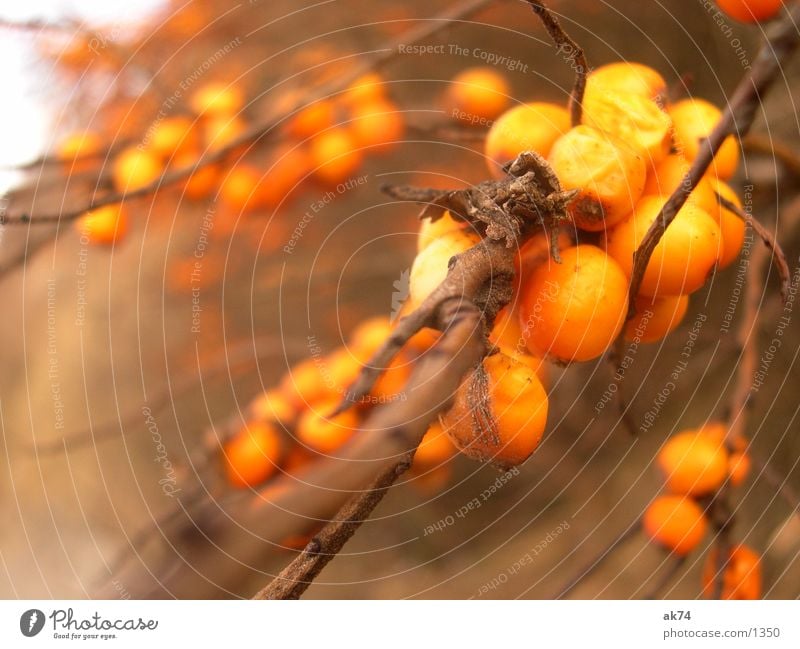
656, 317
240, 188
334, 156
369, 336
732, 227
684, 256
172, 135
517, 403
289, 167
366, 89
675, 522
430, 230
79, 145
221, 131
273, 405
507, 336
202, 181
535, 252
478, 93
134, 168
431, 264
325, 434
392, 382
216, 100
378, 126
718, 431
530, 127
751, 11
313, 119
739, 465
741, 577
304, 384
104, 225
636, 120
574, 310
633, 78
609, 175
433, 480
693, 121
693, 464
252, 455
668, 175
435, 449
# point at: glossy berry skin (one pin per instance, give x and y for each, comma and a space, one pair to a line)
732, 227
675, 522
252, 455
741, 578
751, 11
656, 317
104, 225
574, 310
431, 264
693, 120
693, 464
518, 404
628, 77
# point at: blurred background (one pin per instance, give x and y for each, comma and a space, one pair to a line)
93, 336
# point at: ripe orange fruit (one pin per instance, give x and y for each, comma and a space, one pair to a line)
172, 135
369, 336
367, 89
535, 252
656, 317
104, 225
79, 145
751, 11
431, 264
326, 434
273, 405
530, 127
202, 181
222, 130
739, 465
134, 168
435, 449
377, 126
334, 156
574, 310
684, 256
633, 78
289, 167
518, 404
252, 455
741, 578
313, 119
675, 522
668, 175
217, 100
693, 464
732, 228
693, 121
636, 120
609, 174
392, 381
430, 230
240, 189
304, 385
478, 93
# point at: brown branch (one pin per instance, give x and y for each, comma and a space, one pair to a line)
573, 52
736, 120
271, 126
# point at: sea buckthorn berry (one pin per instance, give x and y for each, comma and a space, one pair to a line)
392, 381
290, 165
134, 168
202, 181
433, 481
377, 125
366, 89
741, 577
217, 99
507, 333
535, 252
517, 403
478, 94
751, 11
173, 135
334, 156
739, 465
430, 230
273, 405
304, 384
104, 225
574, 310
431, 264
435, 449
669, 174
636, 120
221, 131
313, 119
693, 464
240, 188
609, 175
79, 145
693, 121
684, 256
624, 76
656, 317
340, 370
731, 226
367, 337
323, 433
252, 455
675, 522
530, 127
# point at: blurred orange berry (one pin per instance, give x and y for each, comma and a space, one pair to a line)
675, 522
335, 156
741, 576
479, 93
751, 11
135, 168
377, 126
325, 434
252, 455
693, 464
104, 225
173, 135
217, 100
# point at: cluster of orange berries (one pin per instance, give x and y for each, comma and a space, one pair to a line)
695, 465
292, 424
325, 141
